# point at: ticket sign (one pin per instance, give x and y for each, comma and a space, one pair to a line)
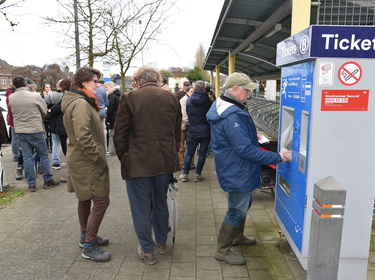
345, 100
329, 41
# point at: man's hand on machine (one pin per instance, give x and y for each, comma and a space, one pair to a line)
286, 155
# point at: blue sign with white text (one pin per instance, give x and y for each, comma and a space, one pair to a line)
343, 41
327, 41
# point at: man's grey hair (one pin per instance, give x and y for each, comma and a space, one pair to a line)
109, 84
200, 86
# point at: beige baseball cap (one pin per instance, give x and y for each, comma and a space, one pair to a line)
241, 80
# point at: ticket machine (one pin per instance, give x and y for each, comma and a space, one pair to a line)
327, 115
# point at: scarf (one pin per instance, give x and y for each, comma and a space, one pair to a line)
91, 95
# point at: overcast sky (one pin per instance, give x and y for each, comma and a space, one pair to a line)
31, 43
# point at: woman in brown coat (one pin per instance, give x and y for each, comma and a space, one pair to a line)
88, 173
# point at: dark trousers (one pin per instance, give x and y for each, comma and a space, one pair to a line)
63, 139
148, 203
90, 219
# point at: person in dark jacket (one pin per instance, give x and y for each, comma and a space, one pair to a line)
57, 119
238, 161
113, 93
147, 139
198, 130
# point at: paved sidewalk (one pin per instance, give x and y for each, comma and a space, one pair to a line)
39, 236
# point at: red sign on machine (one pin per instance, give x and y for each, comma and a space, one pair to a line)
345, 100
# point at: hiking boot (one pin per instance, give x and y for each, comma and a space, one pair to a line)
148, 258
32, 189
19, 175
198, 178
161, 248
100, 241
56, 166
50, 184
92, 251
183, 177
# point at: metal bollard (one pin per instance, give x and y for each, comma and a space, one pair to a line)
326, 230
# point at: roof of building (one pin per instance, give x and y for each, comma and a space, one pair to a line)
251, 30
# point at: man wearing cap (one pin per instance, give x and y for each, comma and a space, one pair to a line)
238, 161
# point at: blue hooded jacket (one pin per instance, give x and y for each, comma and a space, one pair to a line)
197, 107
234, 142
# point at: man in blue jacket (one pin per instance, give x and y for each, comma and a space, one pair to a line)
238, 161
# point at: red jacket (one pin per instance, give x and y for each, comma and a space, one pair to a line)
8, 92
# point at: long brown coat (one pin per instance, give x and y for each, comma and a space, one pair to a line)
147, 132
88, 173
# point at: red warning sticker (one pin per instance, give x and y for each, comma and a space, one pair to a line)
350, 73
345, 100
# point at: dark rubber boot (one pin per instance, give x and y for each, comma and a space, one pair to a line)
224, 243
240, 238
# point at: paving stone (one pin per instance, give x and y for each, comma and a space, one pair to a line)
39, 234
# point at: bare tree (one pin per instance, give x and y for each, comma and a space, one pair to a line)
114, 30
6, 6
199, 60
96, 38
48, 74
136, 23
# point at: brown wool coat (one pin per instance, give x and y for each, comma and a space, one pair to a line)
88, 173
147, 132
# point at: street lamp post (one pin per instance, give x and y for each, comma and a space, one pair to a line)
140, 33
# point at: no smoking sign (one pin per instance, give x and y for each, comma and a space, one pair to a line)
350, 73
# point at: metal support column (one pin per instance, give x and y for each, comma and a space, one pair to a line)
217, 82
231, 64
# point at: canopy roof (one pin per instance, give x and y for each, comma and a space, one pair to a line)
251, 29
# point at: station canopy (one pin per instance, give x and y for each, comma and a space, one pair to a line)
251, 29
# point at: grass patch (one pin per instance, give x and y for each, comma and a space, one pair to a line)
9, 194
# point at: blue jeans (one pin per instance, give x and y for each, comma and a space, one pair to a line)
238, 205
55, 148
191, 147
149, 207
15, 146
29, 143
208, 149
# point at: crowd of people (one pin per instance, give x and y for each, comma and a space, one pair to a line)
154, 132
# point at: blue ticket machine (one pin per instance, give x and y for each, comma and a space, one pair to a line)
326, 119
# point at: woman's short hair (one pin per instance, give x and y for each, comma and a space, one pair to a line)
65, 84
146, 75
84, 74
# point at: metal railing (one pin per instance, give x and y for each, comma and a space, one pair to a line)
349, 12
265, 114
